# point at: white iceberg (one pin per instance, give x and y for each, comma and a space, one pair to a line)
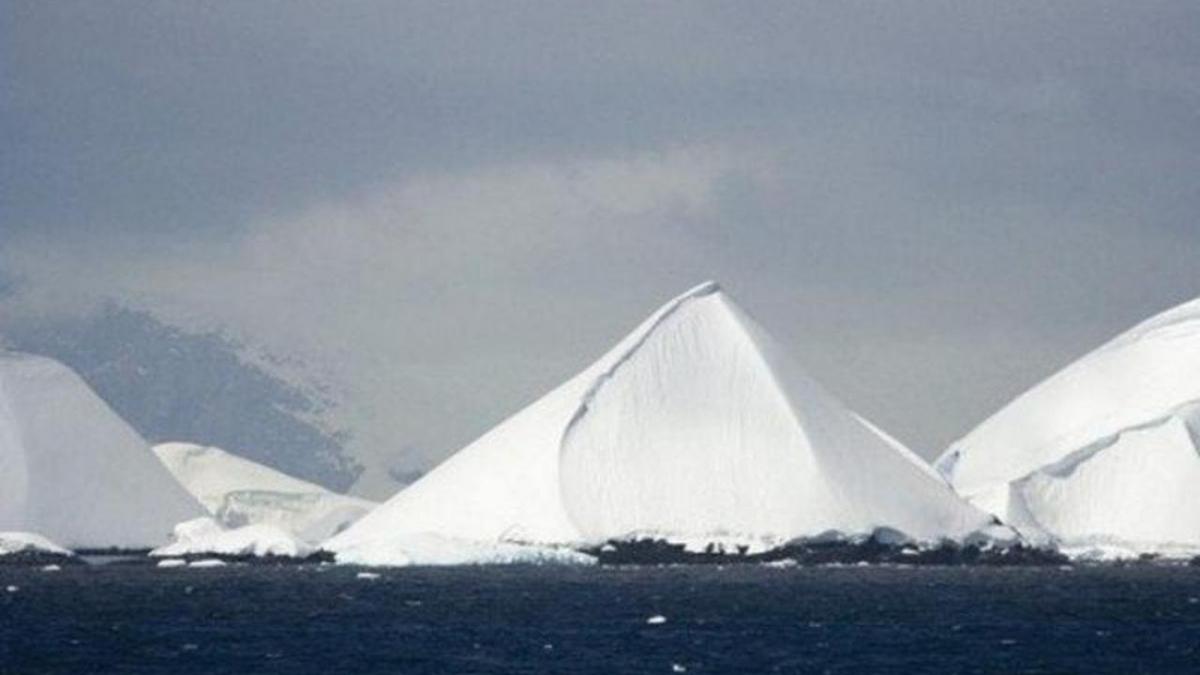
696, 427
72, 470
205, 536
239, 492
1103, 458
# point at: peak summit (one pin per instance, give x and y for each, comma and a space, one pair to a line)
704, 288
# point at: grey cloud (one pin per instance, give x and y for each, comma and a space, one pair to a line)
934, 203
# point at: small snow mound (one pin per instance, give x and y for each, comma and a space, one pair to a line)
366, 575
239, 492
72, 469
206, 536
433, 549
12, 589
172, 562
889, 536
656, 620
28, 542
206, 563
51, 568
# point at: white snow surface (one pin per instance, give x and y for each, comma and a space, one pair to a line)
432, 549
19, 542
205, 536
74, 471
1102, 458
695, 427
239, 492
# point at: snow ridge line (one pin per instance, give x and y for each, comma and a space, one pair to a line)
1160, 326
903, 450
1071, 461
1176, 317
703, 290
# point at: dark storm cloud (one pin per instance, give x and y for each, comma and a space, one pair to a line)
174, 115
935, 203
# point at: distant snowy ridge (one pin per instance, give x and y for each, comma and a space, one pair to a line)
72, 470
696, 427
239, 492
1103, 458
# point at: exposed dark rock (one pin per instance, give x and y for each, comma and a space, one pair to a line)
314, 558
872, 550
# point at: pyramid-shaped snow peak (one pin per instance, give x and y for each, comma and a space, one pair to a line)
1102, 454
72, 470
694, 428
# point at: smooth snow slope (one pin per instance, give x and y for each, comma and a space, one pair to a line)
695, 428
239, 492
1105, 452
72, 470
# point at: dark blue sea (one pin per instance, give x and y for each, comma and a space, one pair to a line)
733, 619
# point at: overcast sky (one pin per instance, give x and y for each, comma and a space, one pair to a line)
448, 208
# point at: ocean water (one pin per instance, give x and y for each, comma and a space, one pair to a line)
732, 619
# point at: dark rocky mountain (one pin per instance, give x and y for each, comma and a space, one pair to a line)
174, 385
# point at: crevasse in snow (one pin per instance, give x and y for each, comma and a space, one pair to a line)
696, 427
72, 470
1102, 456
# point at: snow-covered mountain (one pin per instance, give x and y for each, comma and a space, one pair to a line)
1103, 454
695, 428
239, 492
72, 470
